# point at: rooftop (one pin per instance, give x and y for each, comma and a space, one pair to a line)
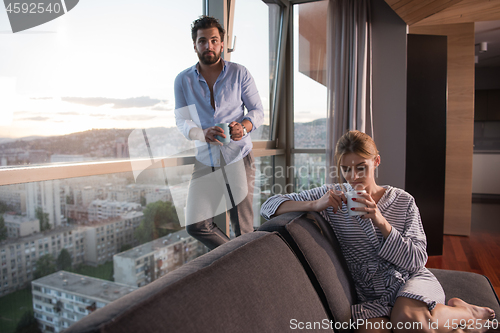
11, 218
39, 235
147, 248
85, 286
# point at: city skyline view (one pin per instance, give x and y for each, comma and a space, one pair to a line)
68, 76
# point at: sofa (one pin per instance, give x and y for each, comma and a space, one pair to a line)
289, 275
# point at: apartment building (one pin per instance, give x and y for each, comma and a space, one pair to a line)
18, 257
106, 209
148, 262
20, 226
62, 298
14, 197
50, 197
158, 194
106, 238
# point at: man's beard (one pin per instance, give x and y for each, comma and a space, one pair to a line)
208, 60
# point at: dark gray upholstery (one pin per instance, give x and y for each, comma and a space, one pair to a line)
319, 252
470, 287
292, 269
251, 284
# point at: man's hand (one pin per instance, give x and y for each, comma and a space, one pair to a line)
236, 130
207, 135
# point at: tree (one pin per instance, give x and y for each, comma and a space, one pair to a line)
3, 208
43, 218
3, 229
64, 261
125, 247
160, 219
44, 266
70, 200
28, 323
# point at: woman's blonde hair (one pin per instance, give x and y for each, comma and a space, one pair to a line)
354, 142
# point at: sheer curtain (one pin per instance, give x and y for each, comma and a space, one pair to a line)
348, 73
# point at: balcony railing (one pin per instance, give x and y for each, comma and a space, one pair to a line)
20, 175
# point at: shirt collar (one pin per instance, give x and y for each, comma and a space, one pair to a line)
224, 64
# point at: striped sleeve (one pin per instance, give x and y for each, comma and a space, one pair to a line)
271, 205
407, 249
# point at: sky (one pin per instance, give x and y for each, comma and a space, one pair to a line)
112, 64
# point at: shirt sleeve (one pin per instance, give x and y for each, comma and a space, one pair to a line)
269, 207
251, 99
183, 119
407, 249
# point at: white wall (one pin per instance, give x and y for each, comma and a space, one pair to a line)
486, 174
124, 270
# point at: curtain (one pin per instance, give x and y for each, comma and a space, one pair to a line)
348, 74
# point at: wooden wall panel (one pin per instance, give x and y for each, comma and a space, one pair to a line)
460, 124
413, 11
465, 11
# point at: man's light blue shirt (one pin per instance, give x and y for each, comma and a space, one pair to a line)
234, 90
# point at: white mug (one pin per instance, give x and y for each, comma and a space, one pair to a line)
351, 203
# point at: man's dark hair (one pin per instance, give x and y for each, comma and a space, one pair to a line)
206, 22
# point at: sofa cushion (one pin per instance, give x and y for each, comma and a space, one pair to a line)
312, 238
471, 287
252, 284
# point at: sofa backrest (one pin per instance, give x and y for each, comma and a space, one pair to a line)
254, 283
316, 246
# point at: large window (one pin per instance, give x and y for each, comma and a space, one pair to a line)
76, 92
72, 91
309, 94
80, 83
256, 48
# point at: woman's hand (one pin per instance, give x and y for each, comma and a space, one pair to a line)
332, 198
373, 213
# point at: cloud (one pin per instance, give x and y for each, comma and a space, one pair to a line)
162, 107
39, 118
134, 102
21, 112
69, 113
138, 117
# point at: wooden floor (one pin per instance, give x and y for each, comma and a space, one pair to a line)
478, 253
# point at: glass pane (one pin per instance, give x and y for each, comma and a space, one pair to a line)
263, 186
309, 171
310, 94
487, 135
101, 226
79, 84
107, 226
255, 48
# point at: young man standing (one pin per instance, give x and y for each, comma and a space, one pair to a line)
210, 92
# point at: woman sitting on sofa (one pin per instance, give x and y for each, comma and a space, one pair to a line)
385, 249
